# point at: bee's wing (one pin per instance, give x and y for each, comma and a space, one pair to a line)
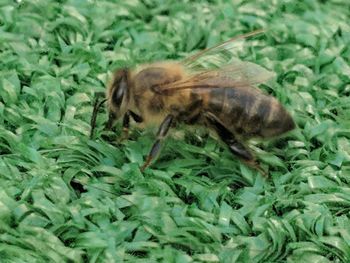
238, 71
219, 66
237, 74
220, 54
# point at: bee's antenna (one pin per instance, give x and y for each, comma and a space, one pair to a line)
97, 105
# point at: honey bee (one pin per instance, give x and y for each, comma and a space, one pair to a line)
223, 99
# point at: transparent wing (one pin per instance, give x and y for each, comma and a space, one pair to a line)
237, 74
237, 71
220, 54
219, 66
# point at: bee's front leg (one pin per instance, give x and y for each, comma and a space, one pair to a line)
126, 125
162, 132
111, 121
235, 146
126, 122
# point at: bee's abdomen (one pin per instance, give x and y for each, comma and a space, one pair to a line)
278, 122
249, 112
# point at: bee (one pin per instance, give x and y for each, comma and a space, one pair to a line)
224, 99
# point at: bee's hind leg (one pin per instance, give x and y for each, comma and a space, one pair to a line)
162, 132
235, 146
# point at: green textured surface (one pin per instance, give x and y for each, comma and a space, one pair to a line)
196, 203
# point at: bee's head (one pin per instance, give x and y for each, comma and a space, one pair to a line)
118, 95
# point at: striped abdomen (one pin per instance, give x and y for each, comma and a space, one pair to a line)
248, 112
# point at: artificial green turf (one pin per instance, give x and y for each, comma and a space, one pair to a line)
197, 203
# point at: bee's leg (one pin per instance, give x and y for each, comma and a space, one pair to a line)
235, 146
126, 122
126, 125
162, 132
136, 117
110, 122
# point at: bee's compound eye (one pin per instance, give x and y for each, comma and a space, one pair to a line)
118, 95
120, 86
